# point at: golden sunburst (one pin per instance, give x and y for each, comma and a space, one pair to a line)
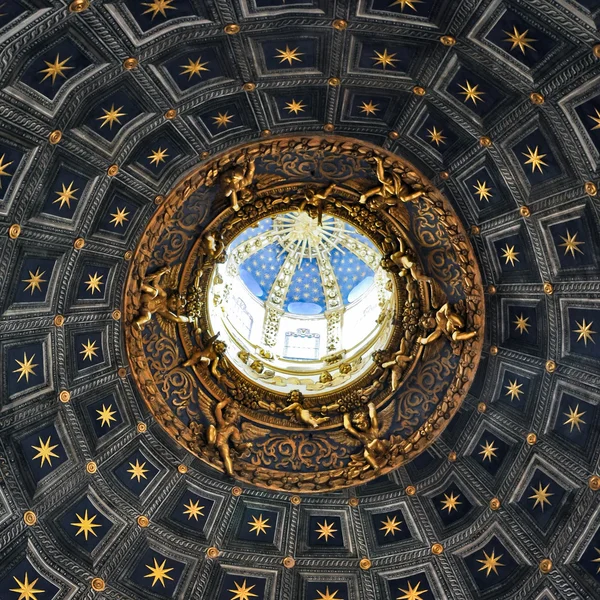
94, 282
295, 106
194, 67
390, 525
483, 191
259, 525
111, 116
325, 530
193, 509
541, 495
521, 324
510, 255
119, 217
157, 7
66, 195
450, 502
3, 167
86, 525
89, 350
571, 244
435, 136
488, 451
45, 451
585, 332
534, 158
158, 156
26, 367
519, 40
490, 562
56, 69
223, 119
289, 55
137, 471
34, 283
404, 3
514, 390
412, 593
385, 59
596, 119
242, 591
369, 108
471, 92
26, 589
158, 572
106, 415
574, 418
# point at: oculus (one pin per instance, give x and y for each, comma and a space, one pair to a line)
304, 314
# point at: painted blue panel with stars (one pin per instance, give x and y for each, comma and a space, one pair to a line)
575, 419
316, 590
24, 582
136, 472
436, 134
290, 54
412, 587
296, 106
43, 452
222, 120
85, 524
451, 504
390, 527
88, 348
258, 525
250, 232
490, 452
105, 415
195, 67
421, 8
388, 57
583, 326
369, 106
157, 573
25, 367
511, 254
118, 216
92, 284
514, 390
236, 587
542, 498
574, 244
474, 93
34, 278
483, 187
156, 12
590, 559
192, 511
325, 531
113, 113
65, 192
10, 159
10, 10
263, 267
589, 114
157, 154
523, 324
349, 270
305, 287
536, 158
491, 565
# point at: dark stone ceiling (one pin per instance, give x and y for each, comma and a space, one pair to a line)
534, 222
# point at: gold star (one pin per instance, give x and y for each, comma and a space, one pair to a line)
596, 119
106, 415
89, 350
490, 563
56, 68
571, 244
26, 590
26, 367
489, 451
111, 116
119, 217
514, 390
3, 167
325, 530
295, 107
534, 159
384, 59
404, 3
585, 331
289, 55
86, 524
521, 324
574, 418
510, 255
158, 6
223, 120
158, 572
519, 39
412, 593
138, 470
471, 92
259, 525
45, 451
66, 195
597, 560
193, 509
390, 525
328, 595
541, 496
194, 68
94, 282
34, 281
484, 192
242, 592
436, 136
369, 108
158, 156
451, 502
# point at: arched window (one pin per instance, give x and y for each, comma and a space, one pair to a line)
302, 345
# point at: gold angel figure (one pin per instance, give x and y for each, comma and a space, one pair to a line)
211, 354
450, 324
398, 363
304, 415
225, 433
235, 181
155, 300
365, 428
316, 202
391, 186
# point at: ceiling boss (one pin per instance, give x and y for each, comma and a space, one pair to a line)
304, 314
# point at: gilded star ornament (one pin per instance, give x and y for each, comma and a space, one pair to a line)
106, 415
193, 509
541, 495
194, 67
94, 282
574, 418
137, 471
412, 593
534, 158
450, 502
223, 119
35, 280
514, 390
404, 3
111, 116
158, 572
436, 137
488, 451
158, 156
243, 591
596, 119
289, 55
471, 92
510, 255
66, 195
45, 451
521, 324
483, 191
585, 332
369, 108
385, 59
26, 367
325, 530
259, 525
26, 589
119, 217
519, 40
571, 244
327, 595
3, 167
390, 526
89, 350
596, 560
56, 69
490, 562
158, 7
295, 106
86, 524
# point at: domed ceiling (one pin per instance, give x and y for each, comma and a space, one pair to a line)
107, 108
